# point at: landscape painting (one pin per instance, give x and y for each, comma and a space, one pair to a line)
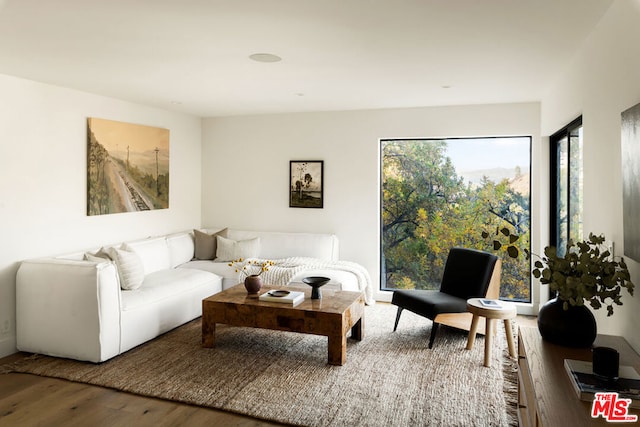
630, 178
127, 167
306, 184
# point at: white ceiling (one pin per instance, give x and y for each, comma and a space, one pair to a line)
192, 55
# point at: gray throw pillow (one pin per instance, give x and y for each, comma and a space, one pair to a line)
206, 246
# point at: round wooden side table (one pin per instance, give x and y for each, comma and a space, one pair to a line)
501, 310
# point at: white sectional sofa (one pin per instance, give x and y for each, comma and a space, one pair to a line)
284, 246
85, 307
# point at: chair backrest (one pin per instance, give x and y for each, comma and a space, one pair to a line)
467, 273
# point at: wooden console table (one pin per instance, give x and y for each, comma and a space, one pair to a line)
545, 394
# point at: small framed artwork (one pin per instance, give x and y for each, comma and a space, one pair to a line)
306, 184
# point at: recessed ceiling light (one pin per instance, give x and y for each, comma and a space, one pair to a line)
265, 57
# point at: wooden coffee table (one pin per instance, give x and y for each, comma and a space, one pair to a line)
332, 316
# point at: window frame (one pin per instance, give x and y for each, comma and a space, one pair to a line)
381, 141
554, 167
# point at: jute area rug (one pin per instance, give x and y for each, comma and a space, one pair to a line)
390, 378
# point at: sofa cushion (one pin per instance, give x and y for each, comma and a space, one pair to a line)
278, 245
154, 253
340, 279
206, 244
344, 280
130, 268
221, 269
229, 250
166, 284
181, 248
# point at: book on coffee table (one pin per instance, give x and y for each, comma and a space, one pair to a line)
289, 297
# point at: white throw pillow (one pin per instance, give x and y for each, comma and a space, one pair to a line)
229, 250
130, 268
91, 257
101, 256
153, 252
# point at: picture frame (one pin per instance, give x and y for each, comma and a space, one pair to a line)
630, 144
127, 167
306, 184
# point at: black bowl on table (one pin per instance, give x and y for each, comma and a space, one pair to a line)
316, 282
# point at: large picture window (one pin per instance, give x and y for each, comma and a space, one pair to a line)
440, 193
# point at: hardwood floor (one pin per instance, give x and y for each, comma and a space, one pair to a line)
30, 400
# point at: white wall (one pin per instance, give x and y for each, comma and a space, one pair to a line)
603, 81
246, 166
43, 140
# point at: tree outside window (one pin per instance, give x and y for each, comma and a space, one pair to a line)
437, 194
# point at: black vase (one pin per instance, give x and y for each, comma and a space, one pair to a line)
575, 327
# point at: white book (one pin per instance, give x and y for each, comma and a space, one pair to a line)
491, 303
280, 295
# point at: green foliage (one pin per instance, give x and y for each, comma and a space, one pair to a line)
428, 209
584, 274
97, 182
511, 246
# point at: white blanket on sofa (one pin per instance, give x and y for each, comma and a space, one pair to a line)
283, 270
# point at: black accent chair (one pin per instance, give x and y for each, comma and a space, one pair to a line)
468, 273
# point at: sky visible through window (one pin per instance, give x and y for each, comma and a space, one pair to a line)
473, 154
